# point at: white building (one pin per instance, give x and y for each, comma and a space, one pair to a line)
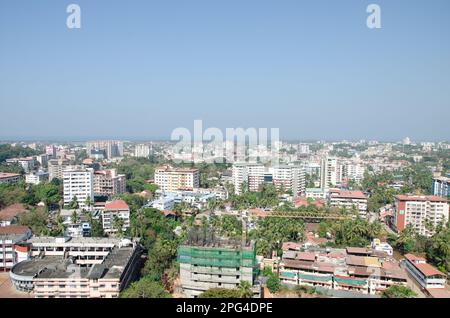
78, 182
115, 209
142, 151
56, 168
418, 211
425, 274
9, 236
251, 173
36, 177
163, 203
329, 172
290, 178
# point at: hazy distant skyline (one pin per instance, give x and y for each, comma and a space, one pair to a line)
139, 69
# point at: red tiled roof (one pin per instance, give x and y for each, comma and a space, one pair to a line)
431, 198
305, 256
350, 195
414, 258
13, 229
8, 213
428, 270
116, 205
8, 175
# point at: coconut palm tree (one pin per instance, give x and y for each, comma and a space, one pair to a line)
245, 290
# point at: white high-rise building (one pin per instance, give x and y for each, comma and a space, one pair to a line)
251, 173
290, 178
142, 151
329, 172
109, 148
79, 182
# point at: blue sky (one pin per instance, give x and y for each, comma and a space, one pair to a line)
139, 69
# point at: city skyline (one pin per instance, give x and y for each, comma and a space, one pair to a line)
314, 70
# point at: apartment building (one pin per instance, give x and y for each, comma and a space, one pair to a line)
109, 148
329, 172
78, 182
419, 212
36, 177
77, 267
109, 183
252, 174
9, 236
426, 275
348, 200
168, 178
206, 264
142, 151
56, 168
9, 178
441, 187
115, 209
351, 270
51, 151
290, 178
27, 163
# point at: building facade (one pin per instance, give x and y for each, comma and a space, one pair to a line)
9, 178
203, 266
115, 209
78, 182
421, 212
109, 183
56, 168
77, 267
168, 178
441, 187
10, 236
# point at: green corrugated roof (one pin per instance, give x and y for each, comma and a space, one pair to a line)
288, 274
350, 281
315, 277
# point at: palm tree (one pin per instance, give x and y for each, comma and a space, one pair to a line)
245, 290
88, 202
74, 217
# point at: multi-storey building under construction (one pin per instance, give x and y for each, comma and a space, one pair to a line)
213, 263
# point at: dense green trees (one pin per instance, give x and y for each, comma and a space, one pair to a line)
438, 248
37, 220
357, 232
267, 197
9, 151
271, 232
398, 291
227, 225
417, 177
145, 288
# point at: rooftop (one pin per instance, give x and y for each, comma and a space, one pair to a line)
116, 205
422, 198
10, 212
13, 230
8, 175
